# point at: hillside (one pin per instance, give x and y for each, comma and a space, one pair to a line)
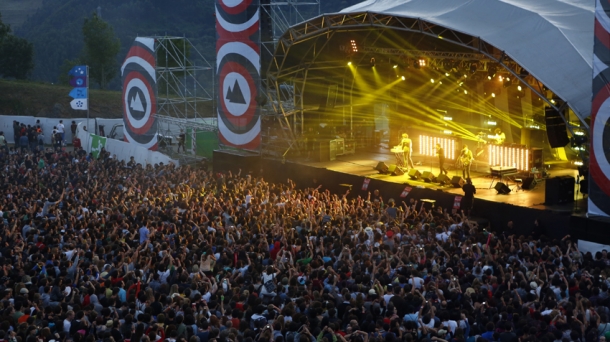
55, 27
16, 12
38, 99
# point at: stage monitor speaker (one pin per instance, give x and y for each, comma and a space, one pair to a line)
559, 190
529, 183
382, 167
428, 177
394, 170
457, 181
414, 174
556, 129
443, 179
502, 188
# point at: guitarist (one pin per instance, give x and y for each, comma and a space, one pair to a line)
466, 159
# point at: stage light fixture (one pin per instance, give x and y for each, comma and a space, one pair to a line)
447, 74
500, 78
354, 46
372, 62
493, 94
432, 80
519, 88
465, 92
491, 70
448, 132
579, 133
491, 123
578, 163
403, 78
447, 118
440, 82
552, 101
489, 77
422, 62
395, 66
349, 63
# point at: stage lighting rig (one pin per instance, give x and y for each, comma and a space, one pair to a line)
354, 46
422, 62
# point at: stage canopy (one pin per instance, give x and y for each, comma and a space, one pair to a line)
551, 39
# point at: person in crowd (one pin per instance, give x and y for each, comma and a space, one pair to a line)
98, 249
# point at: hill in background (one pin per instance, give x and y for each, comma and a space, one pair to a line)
55, 28
16, 12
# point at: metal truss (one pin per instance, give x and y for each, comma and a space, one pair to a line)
326, 25
182, 100
426, 54
283, 15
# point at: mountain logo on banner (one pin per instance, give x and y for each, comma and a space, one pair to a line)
137, 103
235, 94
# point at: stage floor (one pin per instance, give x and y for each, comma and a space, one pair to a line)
363, 164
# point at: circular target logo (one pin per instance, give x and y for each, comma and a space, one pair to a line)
139, 94
238, 72
138, 103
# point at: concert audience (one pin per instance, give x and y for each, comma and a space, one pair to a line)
103, 250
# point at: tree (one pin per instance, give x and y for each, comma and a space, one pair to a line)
100, 50
16, 54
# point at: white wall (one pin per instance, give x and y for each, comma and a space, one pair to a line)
124, 150
6, 125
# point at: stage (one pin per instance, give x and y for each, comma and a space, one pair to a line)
357, 173
363, 164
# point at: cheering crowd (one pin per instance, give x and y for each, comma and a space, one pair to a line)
106, 250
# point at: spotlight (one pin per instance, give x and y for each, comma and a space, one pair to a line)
432, 80
465, 92
395, 66
354, 46
552, 101
349, 63
491, 70
372, 62
447, 74
492, 123
489, 77
579, 133
422, 62
403, 78
447, 118
448, 132
578, 163
519, 88
500, 78
493, 94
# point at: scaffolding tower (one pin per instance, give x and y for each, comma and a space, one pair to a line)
185, 93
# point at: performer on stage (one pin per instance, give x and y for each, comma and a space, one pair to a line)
500, 137
466, 159
407, 148
441, 158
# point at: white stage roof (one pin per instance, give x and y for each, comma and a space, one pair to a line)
551, 39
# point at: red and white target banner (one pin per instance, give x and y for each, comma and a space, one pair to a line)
599, 163
238, 67
140, 94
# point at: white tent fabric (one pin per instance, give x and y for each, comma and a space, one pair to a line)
551, 39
